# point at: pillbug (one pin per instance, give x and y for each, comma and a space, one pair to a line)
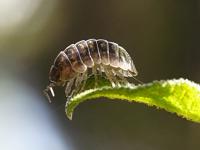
73, 65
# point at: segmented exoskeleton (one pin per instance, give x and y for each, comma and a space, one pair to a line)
71, 66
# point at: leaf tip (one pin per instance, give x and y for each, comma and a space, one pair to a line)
68, 113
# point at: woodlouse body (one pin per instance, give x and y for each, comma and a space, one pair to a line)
72, 64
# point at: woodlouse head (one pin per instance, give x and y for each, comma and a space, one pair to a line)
54, 77
54, 74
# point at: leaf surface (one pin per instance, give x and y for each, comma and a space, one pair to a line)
179, 96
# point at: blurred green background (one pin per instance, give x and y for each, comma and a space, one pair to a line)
163, 38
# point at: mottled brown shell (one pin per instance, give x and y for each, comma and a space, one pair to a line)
72, 64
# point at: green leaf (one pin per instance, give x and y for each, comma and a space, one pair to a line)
177, 96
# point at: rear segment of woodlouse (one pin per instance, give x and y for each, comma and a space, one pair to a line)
71, 66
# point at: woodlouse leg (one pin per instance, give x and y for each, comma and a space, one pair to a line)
109, 76
94, 72
78, 82
68, 91
113, 75
137, 80
99, 70
129, 74
124, 81
84, 79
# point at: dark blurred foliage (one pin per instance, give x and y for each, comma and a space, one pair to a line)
161, 36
